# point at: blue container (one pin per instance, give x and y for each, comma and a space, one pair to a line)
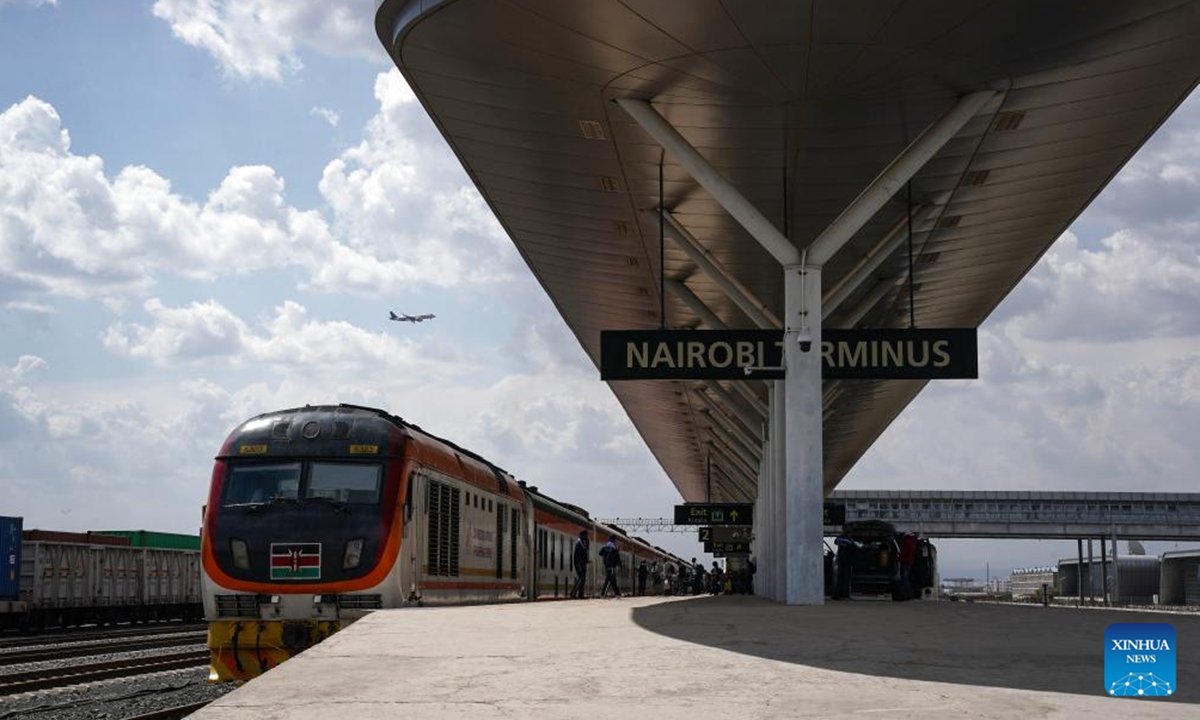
10, 557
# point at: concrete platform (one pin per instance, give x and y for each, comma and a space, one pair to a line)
735, 657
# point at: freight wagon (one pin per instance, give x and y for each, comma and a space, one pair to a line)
82, 578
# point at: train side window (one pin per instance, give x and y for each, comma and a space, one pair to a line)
489, 505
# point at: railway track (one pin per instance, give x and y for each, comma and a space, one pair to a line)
52, 638
57, 677
58, 652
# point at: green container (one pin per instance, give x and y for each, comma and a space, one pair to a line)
146, 538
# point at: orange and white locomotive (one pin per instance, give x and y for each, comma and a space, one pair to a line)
317, 515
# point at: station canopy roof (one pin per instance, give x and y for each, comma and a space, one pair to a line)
824, 94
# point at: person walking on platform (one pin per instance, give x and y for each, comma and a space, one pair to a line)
697, 577
751, 568
643, 574
579, 560
612, 562
847, 549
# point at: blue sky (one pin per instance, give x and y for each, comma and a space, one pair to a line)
249, 187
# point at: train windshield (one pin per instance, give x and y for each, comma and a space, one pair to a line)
345, 482
254, 484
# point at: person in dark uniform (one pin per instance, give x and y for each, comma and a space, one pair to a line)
579, 560
847, 548
643, 574
612, 562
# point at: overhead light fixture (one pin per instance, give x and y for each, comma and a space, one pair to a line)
1008, 121
591, 129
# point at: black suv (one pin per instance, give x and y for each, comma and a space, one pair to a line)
876, 562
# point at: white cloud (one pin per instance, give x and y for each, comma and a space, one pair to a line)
207, 332
262, 38
1136, 284
31, 3
67, 229
325, 114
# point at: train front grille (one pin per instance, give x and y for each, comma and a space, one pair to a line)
240, 605
360, 601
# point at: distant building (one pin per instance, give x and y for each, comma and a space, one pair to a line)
960, 586
1137, 575
1026, 583
1180, 583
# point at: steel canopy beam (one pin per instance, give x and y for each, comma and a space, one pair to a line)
737, 292
894, 176
870, 262
704, 173
709, 318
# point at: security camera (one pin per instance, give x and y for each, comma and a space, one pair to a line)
804, 337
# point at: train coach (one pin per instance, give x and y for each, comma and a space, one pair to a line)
320, 514
56, 579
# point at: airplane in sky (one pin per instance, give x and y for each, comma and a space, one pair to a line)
402, 317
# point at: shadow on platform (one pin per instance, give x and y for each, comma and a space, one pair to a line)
1031, 648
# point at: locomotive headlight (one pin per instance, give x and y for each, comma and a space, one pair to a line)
241, 554
353, 554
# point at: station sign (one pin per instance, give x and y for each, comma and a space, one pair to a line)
835, 514
690, 354
714, 514
917, 354
726, 547
726, 533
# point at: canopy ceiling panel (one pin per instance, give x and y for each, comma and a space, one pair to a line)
799, 105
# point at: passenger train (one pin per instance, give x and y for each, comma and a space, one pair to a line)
317, 515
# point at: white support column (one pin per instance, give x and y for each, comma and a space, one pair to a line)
803, 421
762, 534
778, 494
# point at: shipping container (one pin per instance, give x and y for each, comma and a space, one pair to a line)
57, 536
74, 575
10, 557
147, 538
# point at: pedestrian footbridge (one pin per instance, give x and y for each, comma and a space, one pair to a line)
1012, 514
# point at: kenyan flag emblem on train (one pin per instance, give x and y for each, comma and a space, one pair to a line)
295, 561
